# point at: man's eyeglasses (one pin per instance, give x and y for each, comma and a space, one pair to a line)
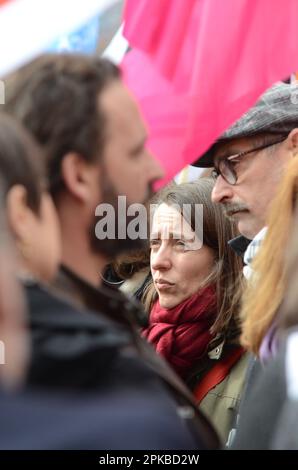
225, 166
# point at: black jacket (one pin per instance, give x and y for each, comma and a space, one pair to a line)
110, 420
71, 347
77, 349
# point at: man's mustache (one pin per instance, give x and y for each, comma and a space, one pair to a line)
230, 209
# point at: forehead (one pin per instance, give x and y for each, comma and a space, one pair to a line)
234, 146
167, 220
165, 214
121, 112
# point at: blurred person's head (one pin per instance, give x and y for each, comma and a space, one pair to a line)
189, 252
30, 211
250, 157
268, 287
90, 126
14, 342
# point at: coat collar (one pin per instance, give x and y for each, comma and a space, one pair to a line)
106, 300
239, 245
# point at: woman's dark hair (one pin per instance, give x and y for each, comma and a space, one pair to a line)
217, 231
21, 161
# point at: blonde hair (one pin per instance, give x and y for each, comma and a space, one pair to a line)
266, 289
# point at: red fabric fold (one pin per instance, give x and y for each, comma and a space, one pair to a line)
182, 334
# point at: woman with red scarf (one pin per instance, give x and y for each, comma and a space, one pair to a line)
193, 299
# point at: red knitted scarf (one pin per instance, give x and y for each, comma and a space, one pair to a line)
181, 334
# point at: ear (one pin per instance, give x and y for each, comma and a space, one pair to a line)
17, 211
293, 141
78, 175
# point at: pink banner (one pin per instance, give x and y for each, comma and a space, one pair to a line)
198, 65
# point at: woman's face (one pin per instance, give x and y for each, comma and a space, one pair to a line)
179, 261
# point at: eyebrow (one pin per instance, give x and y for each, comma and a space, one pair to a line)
231, 153
235, 155
173, 236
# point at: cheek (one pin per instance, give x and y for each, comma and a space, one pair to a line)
260, 185
152, 261
191, 280
124, 181
197, 267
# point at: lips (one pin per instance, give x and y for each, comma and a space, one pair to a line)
232, 213
163, 284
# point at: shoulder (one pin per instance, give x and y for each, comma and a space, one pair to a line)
221, 402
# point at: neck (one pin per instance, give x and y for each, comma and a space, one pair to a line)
79, 258
77, 254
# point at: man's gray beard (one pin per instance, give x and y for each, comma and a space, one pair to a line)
229, 209
111, 248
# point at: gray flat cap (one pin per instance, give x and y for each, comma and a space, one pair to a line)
275, 112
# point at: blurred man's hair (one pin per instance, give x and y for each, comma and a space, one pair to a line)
56, 98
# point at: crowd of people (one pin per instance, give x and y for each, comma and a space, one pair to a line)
185, 339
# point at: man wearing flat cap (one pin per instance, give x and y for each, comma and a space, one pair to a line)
249, 160
250, 157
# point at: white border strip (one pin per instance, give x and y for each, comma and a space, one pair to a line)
292, 366
27, 27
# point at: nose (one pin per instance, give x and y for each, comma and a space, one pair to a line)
160, 259
222, 191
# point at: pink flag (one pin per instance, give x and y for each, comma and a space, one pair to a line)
198, 65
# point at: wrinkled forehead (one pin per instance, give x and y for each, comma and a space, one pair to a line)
168, 221
234, 146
